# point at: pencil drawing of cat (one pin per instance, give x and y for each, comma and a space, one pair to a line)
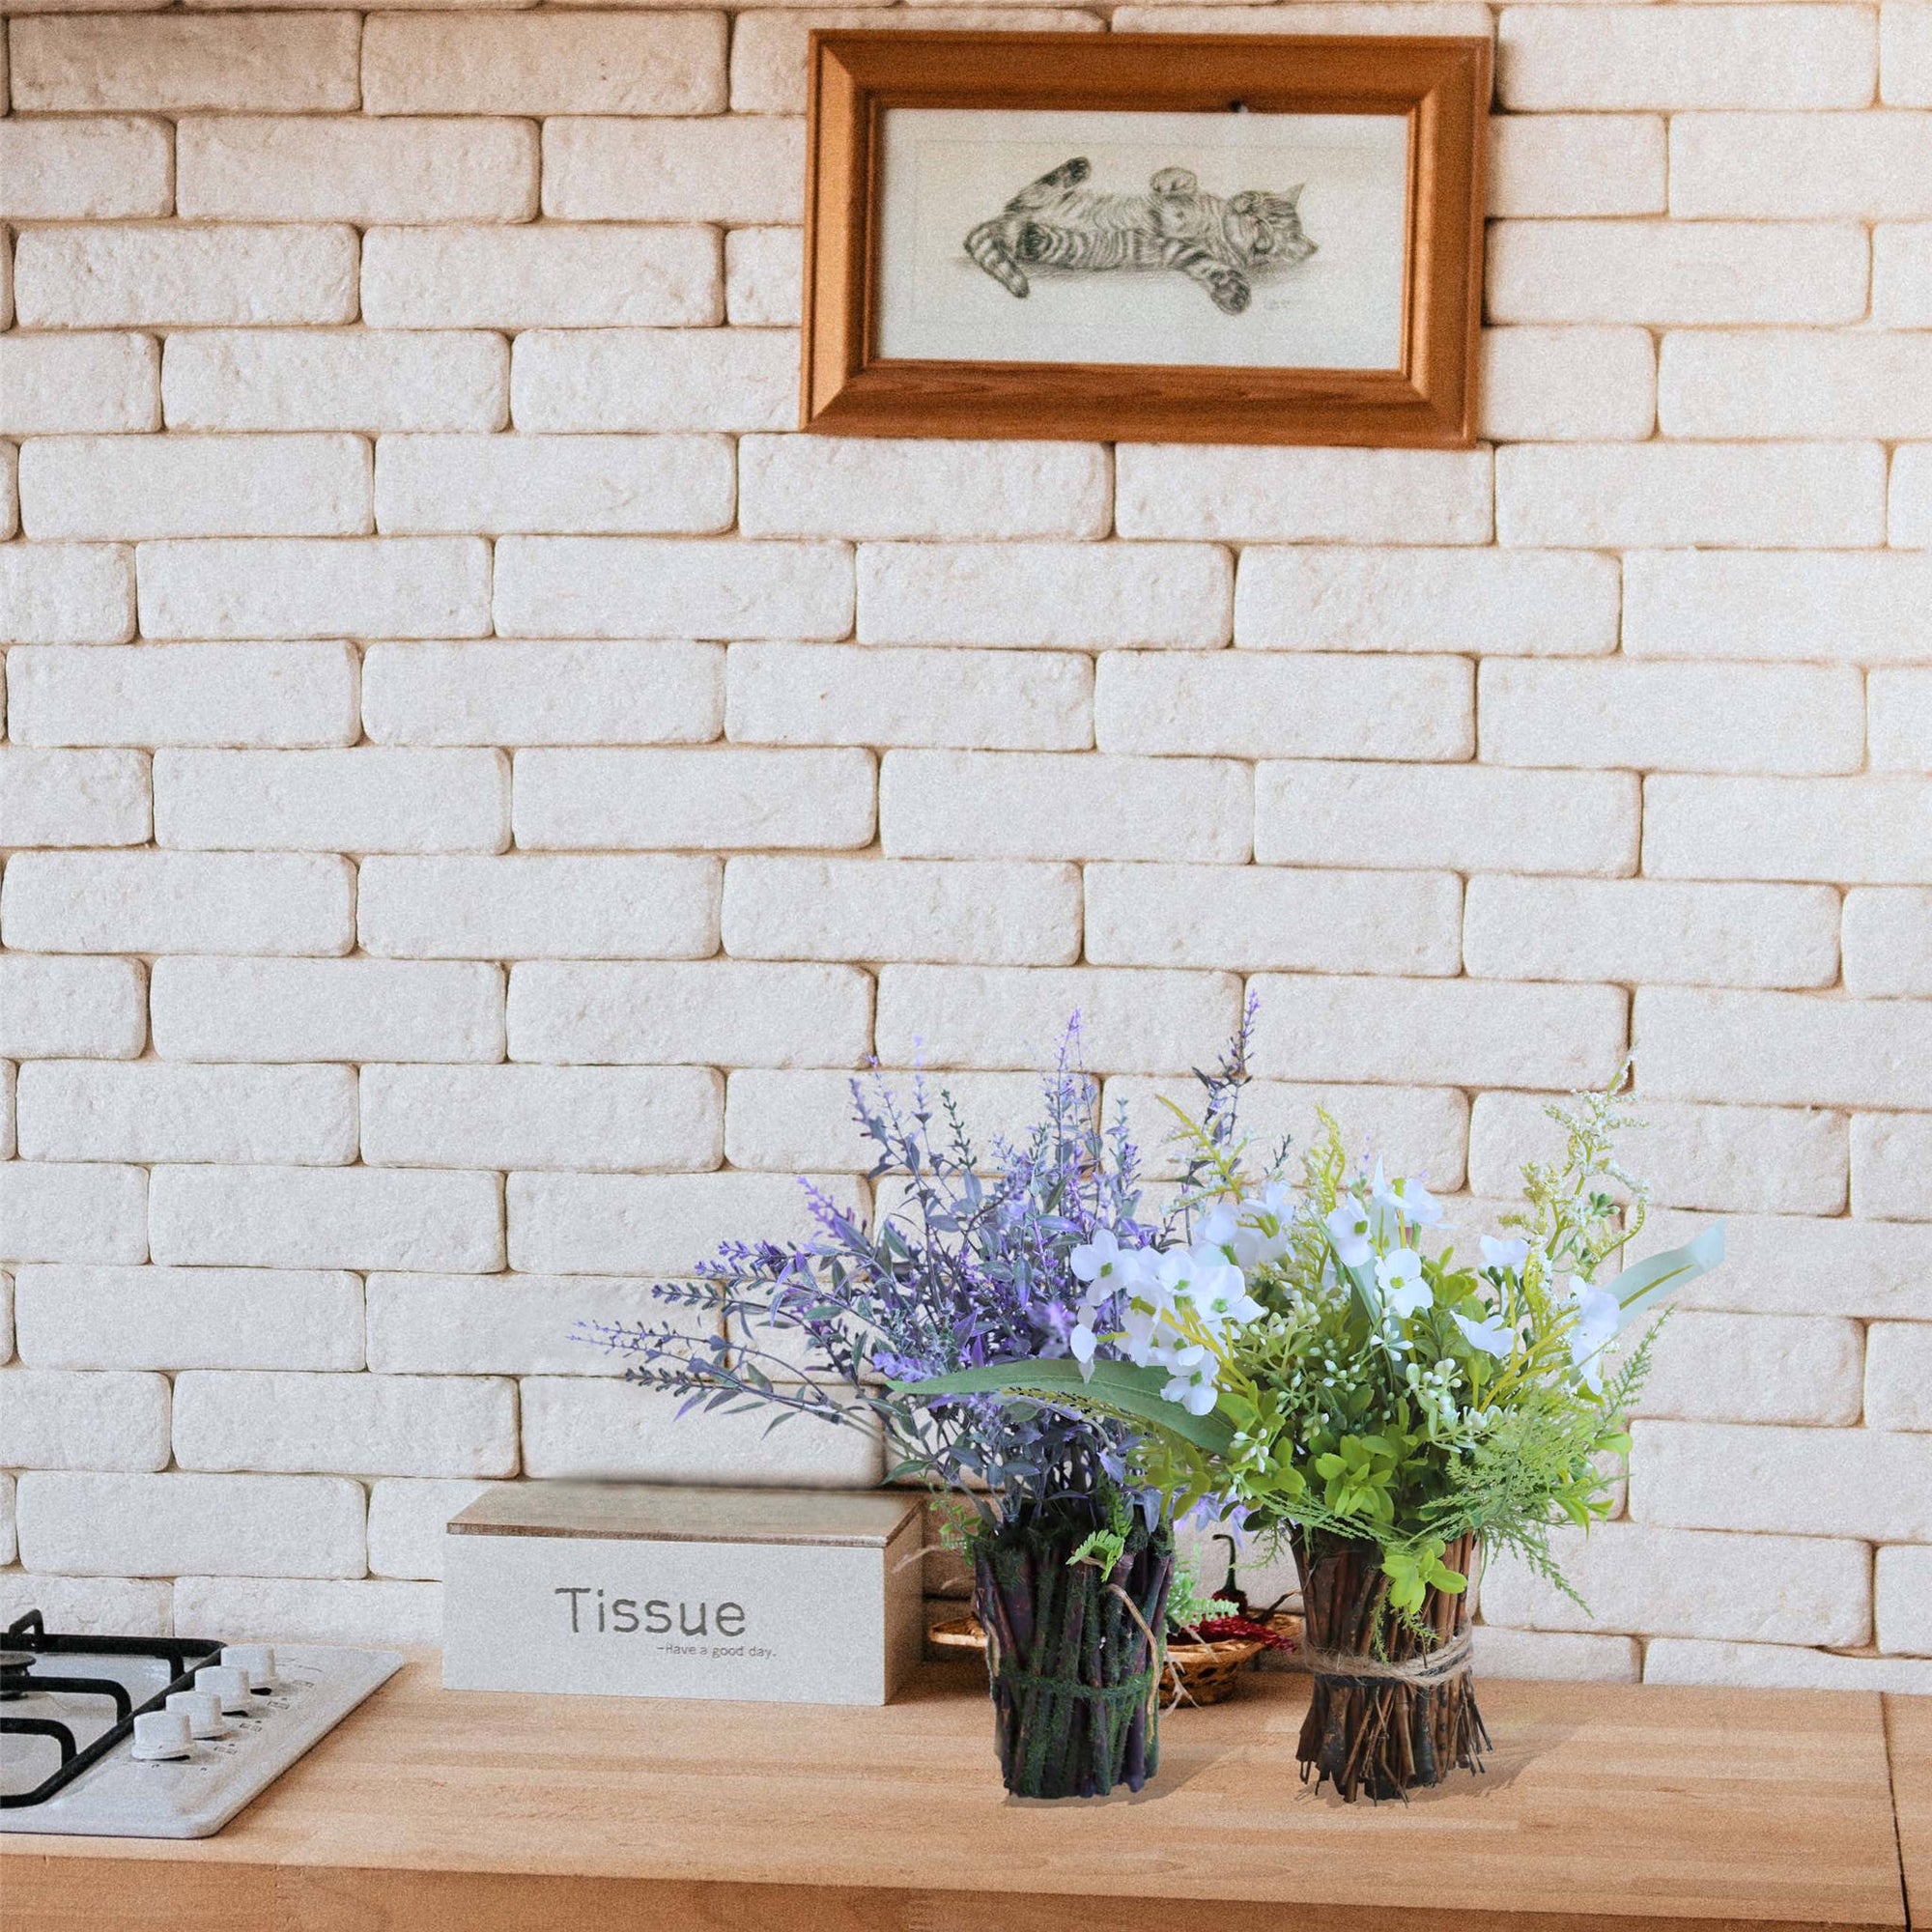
1219, 242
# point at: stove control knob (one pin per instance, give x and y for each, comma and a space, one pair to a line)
258, 1659
229, 1685
160, 1734
203, 1710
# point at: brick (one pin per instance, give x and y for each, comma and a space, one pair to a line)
54, 1009
316, 587
522, 908
157, 1317
654, 378
60, 1212
1899, 1376
72, 798
1423, 1132
1858, 830
150, 1111
1901, 720
407, 1516
605, 1117
1798, 719
1902, 275
236, 63
1310, 16
1888, 941
1465, 1033
1751, 1160
847, 693
1651, 931
359, 169
166, 486
544, 64
693, 799
1782, 1048
763, 272
116, 168
1461, 818
1016, 1017
597, 1428
768, 49
1787, 1265
718, 1012
1491, 602
1869, 1483
1302, 706
1770, 1666
820, 486
678, 485
1404, 922
660, 588
66, 594
1912, 499
1891, 1166
834, 909
340, 379
327, 1612
1671, 1582
1848, 608
1559, 164
1556, 1656
674, 170
1904, 53
281, 695
55, 1419
1294, 495
174, 902
548, 694
1903, 1599
55, 385
789, 1121
183, 277
1631, 57
368, 799
89, 1606
649, 1224
314, 1010
1567, 384
1068, 596
471, 1324
1769, 496
550, 276
1801, 166
1661, 272
1798, 382
363, 1425
307, 1217
158, 1525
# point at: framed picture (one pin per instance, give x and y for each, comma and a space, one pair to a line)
1156, 237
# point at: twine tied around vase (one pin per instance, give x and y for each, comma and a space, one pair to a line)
1432, 1667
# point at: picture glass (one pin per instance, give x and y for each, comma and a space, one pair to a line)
1229, 240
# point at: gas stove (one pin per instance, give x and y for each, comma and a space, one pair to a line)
159, 1737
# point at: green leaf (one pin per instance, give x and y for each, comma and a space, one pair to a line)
1650, 1281
1121, 1388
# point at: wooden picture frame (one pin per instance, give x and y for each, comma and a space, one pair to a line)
1440, 87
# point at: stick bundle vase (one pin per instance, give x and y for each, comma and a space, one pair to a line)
1393, 1710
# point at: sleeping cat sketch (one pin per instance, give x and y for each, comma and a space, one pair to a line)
1057, 223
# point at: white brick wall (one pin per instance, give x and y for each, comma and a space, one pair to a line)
474, 783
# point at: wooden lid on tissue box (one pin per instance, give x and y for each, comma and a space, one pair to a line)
656, 1512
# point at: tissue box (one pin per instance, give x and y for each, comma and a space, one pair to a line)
625, 1589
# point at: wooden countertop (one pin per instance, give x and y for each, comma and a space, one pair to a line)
1612, 1808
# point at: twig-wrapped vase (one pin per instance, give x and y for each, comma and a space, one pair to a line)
1393, 1710
1071, 1658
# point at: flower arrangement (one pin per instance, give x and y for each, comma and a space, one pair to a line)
1386, 1410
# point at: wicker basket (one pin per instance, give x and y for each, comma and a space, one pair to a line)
1196, 1673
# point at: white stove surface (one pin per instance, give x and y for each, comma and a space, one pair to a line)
315, 1687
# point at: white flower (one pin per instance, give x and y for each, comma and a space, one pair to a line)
1081, 1342
1348, 1225
1409, 1199
1505, 1257
1096, 1260
1492, 1335
1598, 1318
1398, 1276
